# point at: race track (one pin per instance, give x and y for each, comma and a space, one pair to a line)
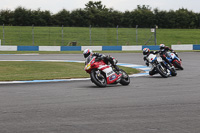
148, 105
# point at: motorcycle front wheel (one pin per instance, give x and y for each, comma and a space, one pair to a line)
177, 65
98, 78
161, 70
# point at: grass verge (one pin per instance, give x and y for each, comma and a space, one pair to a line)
11, 70
56, 36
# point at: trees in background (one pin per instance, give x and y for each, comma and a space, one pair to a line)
98, 15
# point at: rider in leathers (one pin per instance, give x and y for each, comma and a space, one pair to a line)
107, 59
146, 53
163, 53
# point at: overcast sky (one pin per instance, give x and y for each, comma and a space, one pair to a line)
54, 6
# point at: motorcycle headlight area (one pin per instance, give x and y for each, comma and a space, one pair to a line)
88, 66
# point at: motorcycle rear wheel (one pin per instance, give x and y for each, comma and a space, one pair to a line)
125, 78
98, 79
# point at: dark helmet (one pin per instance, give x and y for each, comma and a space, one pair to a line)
162, 46
87, 52
146, 51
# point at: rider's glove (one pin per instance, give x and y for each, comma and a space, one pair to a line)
103, 56
96, 54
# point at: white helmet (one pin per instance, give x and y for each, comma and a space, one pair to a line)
87, 52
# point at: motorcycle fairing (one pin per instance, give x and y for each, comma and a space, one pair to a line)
172, 56
151, 57
110, 74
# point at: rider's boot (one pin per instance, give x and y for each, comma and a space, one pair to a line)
166, 60
113, 62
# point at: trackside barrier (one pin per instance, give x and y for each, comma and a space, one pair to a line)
111, 48
131, 48
182, 47
70, 48
49, 48
151, 47
96, 48
27, 48
8, 48
196, 47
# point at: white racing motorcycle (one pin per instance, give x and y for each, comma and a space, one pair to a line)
161, 66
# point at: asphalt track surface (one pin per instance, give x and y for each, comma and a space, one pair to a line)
148, 105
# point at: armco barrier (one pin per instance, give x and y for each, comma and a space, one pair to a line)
182, 47
111, 48
196, 47
131, 48
96, 48
8, 48
27, 48
156, 47
70, 48
49, 48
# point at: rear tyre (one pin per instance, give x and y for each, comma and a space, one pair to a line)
125, 78
98, 78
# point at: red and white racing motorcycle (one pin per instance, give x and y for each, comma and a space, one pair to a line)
102, 74
175, 60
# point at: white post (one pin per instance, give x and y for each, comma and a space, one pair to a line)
0, 42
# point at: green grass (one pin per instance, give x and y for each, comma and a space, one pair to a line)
178, 36
52, 36
11, 70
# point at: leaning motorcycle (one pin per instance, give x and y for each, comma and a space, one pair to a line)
175, 60
103, 74
161, 66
